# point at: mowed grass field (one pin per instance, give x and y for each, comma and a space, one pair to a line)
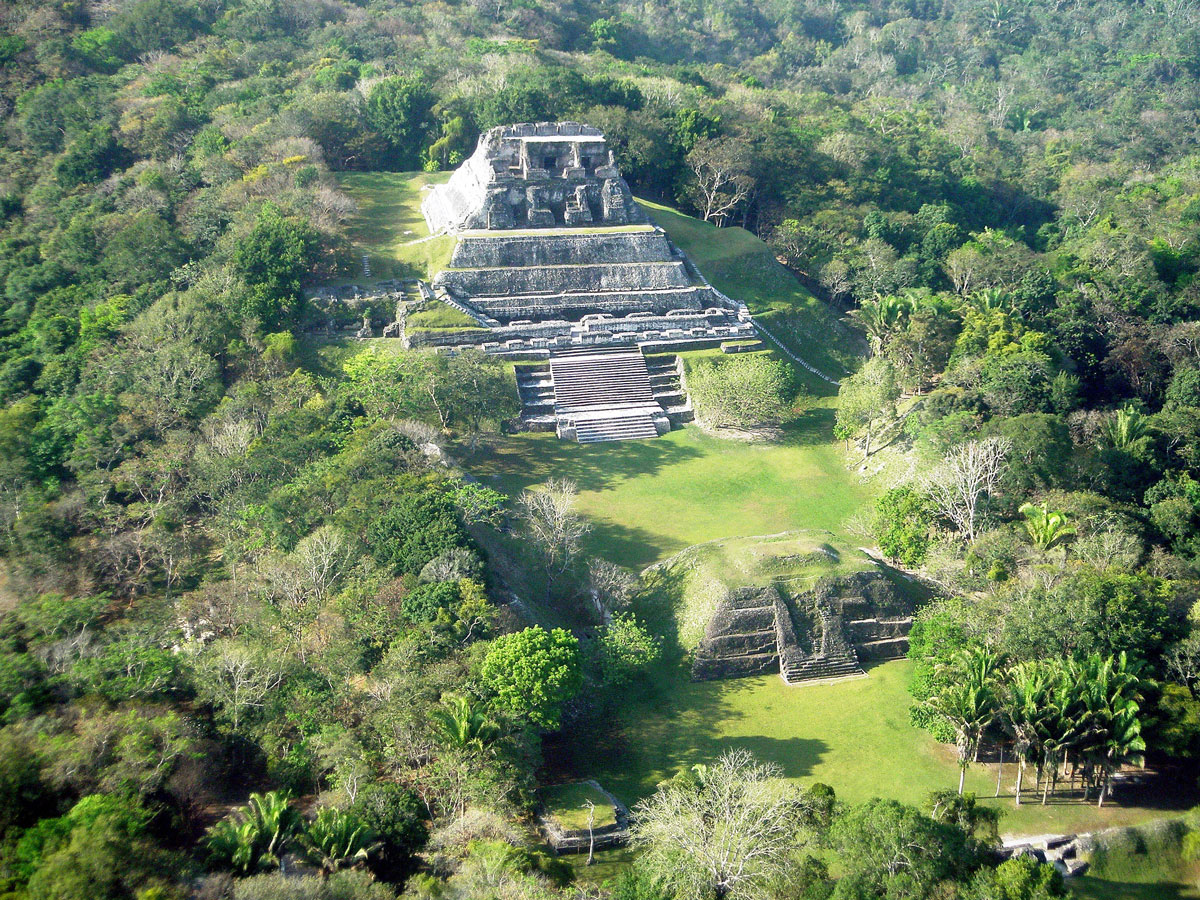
854, 735
741, 266
649, 499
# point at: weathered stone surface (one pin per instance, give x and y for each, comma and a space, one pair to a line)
820, 635
560, 248
534, 175
563, 279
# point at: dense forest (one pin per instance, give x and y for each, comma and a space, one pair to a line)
251, 610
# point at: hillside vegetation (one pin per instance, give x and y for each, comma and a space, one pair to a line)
290, 615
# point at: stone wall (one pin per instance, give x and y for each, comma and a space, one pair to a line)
565, 248
533, 175
563, 279
740, 638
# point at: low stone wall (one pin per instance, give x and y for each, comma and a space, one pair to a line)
578, 841
575, 306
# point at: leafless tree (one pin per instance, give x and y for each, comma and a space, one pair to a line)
726, 834
723, 181
238, 679
611, 587
553, 524
965, 479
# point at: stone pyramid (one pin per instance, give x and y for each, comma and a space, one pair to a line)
553, 252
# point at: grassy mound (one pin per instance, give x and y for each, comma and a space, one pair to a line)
439, 316
689, 585
741, 266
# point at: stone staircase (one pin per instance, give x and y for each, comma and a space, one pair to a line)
616, 428
831, 659
832, 667
666, 382
603, 396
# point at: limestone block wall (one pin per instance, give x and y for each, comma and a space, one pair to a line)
575, 306
562, 279
541, 175
563, 248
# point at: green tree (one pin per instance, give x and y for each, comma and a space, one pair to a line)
1021, 700
740, 391
891, 850
867, 402
532, 673
399, 109
903, 526
626, 650
1019, 878
274, 258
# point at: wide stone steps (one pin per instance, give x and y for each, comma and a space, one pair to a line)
598, 380
820, 668
624, 428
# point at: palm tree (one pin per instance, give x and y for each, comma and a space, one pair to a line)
880, 317
233, 842
1063, 723
987, 300
259, 833
1124, 429
465, 724
336, 840
1021, 699
1111, 689
967, 701
1047, 529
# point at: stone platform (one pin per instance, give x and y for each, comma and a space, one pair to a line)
603, 395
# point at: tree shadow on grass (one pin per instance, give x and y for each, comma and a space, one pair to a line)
517, 463
1088, 887
634, 548
812, 427
667, 727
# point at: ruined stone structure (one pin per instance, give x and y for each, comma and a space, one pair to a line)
553, 256
818, 635
554, 253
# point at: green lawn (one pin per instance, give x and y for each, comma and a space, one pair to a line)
650, 499
567, 804
389, 227
854, 735
441, 316
1088, 887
